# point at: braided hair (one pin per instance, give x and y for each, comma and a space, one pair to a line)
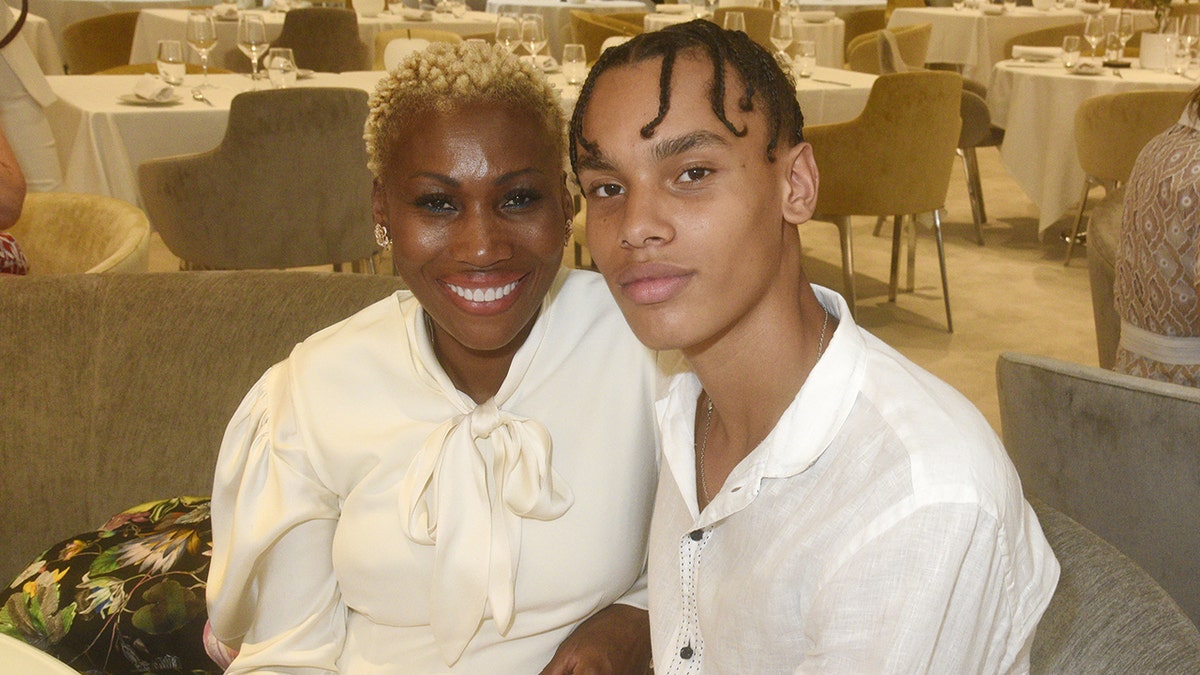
759, 72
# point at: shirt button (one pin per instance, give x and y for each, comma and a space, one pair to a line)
685, 653
697, 535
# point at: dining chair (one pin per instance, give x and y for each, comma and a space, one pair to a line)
97, 43
861, 21
758, 23
1110, 131
1115, 452
636, 20
894, 160
1043, 37
397, 50
288, 186
67, 233
324, 39
382, 38
893, 5
591, 30
427, 35
862, 54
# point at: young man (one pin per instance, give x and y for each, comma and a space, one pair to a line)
825, 505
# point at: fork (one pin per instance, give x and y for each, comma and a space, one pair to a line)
199, 96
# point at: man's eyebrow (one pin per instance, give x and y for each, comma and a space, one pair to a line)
669, 147
593, 161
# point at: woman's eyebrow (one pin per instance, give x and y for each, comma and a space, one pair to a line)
670, 147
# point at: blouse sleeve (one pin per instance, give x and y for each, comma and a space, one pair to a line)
271, 590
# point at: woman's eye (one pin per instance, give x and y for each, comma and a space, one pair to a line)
694, 174
520, 199
435, 203
608, 190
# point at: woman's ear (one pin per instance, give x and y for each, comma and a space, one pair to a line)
379, 204
800, 184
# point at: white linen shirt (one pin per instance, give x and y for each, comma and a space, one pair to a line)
879, 528
312, 570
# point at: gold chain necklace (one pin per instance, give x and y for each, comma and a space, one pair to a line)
708, 410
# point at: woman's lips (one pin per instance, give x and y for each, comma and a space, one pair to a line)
484, 294
651, 283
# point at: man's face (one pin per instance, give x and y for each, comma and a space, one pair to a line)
688, 226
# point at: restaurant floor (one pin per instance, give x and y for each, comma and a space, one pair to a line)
1012, 294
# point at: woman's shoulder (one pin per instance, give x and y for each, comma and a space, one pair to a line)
380, 327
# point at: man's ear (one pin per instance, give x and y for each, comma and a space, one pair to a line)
800, 184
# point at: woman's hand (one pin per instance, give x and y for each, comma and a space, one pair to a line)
613, 641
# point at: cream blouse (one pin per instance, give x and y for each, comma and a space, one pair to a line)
370, 518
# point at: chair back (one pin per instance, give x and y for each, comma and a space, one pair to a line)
758, 23
1116, 453
398, 50
912, 42
897, 155
591, 30
435, 35
1044, 37
382, 38
636, 20
893, 5
67, 233
324, 39
862, 21
97, 43
287, 187
1111, 130
1107, 615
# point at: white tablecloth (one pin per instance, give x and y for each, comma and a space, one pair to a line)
558, 14
171, 24
976, 41
37, 33
62, 13
18, 657
1035, 104
829, 36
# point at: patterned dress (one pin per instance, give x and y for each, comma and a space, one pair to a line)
12, 260
1158, 262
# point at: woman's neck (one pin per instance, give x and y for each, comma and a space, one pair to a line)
478, 374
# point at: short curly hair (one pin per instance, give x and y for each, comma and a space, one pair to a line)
445, 76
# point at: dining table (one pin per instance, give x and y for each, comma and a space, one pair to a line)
40, 38
975, 41
556, 14
1035, 104
61, 13
827, 34
171, 24
103, 134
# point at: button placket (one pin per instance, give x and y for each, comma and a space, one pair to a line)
689, 642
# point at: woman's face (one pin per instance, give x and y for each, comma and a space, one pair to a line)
477, 207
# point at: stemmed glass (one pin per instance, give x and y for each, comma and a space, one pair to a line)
1093, 31
508, 32
1124, 30
202, 37
252, 40
1189, 33
781, 34
533, 35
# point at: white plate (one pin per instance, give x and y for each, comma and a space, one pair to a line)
304, 73
1039, 58
1088, 70
134, 99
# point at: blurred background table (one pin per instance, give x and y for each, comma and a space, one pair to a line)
171, 24
1035, 104
41, 40
829, 36
62, 13
557, 14
975, 41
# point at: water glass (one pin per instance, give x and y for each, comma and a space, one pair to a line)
806, 57
698, 8
458, 8
252, 40
1070, 51
170, 62
574, 63
781, 33
735, 21
508, 32
281, 67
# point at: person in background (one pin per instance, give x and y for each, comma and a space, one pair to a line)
24, 95
12, 199
824, 505
1157, 291
458, 478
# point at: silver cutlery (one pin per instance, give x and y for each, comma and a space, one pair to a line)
816, 79
199, 96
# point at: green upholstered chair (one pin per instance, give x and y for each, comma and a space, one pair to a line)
287, 187
591, 30
862, 53
66, 233
324, 39
758, 23
97, 43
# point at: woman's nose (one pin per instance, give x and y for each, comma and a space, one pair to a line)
482, 239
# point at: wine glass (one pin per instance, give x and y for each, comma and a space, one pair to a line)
1189, 32
202, 37
1093, 31
508, 32
1124, 29
533, 35
735, 21
781, 34
252, 40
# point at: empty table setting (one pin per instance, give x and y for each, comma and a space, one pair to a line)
1035, 104
821, 27
975, 40
171, 24
557, 13
61, 13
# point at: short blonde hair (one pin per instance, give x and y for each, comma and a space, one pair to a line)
444, 76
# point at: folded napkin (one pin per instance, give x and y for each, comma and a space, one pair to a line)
225, 10
545, 63
410, 14
1033, 53
280, 5
150, 88
673, 9
1087, 68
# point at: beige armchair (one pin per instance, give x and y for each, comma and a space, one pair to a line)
862, 21
64, 233
324, 39
893, 160
591, 30
862, 53
287, 187
97, 43
758, 23
1110, 131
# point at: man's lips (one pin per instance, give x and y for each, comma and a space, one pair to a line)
650, 283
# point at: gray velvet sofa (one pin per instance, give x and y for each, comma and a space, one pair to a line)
117, 388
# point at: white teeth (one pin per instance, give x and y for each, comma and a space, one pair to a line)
482, 295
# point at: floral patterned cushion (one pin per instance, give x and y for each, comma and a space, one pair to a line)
127, 598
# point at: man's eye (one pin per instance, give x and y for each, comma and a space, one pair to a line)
435, 203
608, 190
694, 174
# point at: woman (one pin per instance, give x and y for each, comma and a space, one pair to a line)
1158, 259
456, 478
